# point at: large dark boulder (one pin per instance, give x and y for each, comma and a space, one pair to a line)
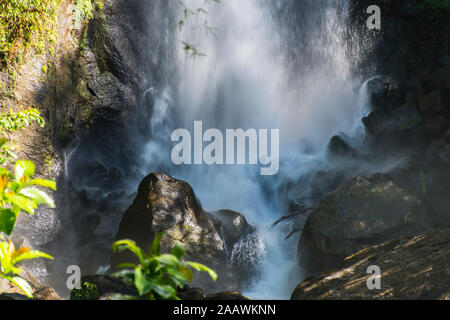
411, 268
384, 93
396, 130
165, 204
340, 147
360, 213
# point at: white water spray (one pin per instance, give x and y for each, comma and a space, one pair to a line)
256, 75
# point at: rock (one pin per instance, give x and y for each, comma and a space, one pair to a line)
409, 174
191, 294
360, 213
102, 287
230, 295
411, 268
233, 225
384, 93
431, 103
9, 291
395, 130
46, 293
164, 204
339, 147
435, 126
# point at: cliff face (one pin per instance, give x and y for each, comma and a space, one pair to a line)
86, 85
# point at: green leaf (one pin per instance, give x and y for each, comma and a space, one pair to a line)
127, 244
156, 245
40, 197
34, 254
165, 291
3, 141
188, 274
177, 277
126, 265
168, 259
143, 285
126, 275
201, 267
24, 168
43, 183
22, 202
23, 285
178, 251
7, 220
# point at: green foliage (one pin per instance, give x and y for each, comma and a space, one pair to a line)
433, 10
88, 291
190, 49
157, 276
83, 10
25, 24
9, 257
17, 194
11, 122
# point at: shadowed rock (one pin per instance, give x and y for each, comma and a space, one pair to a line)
411, 268
360, 213
164, 204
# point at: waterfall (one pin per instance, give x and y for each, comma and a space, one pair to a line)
267, 64
283, 64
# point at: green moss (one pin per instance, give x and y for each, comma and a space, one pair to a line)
88, 291
26, 24
433, 10
82, 11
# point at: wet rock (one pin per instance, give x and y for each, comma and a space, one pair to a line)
411, 268
231, 295
435, 126
409, 173
360, 213
431, 103
395, 130
102, 287
384, 93
339, 147
164, 204
191, 294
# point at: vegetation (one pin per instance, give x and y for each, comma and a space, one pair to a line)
9, 257
83, 10
11, 122
17, 194
88, 291
158, 276
25, 24
190, 49
433, 10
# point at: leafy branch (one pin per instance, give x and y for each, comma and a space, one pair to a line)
158, 276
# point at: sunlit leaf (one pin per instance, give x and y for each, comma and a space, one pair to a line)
43, 183
40, 197
24, 169
201, 267
188, 274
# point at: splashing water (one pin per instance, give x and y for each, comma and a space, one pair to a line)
270, 64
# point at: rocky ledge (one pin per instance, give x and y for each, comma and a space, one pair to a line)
411, 268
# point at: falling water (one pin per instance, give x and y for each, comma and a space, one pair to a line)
269, 64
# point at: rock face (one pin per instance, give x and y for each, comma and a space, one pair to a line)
164, 204
411, 268
384, 93
360, 213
